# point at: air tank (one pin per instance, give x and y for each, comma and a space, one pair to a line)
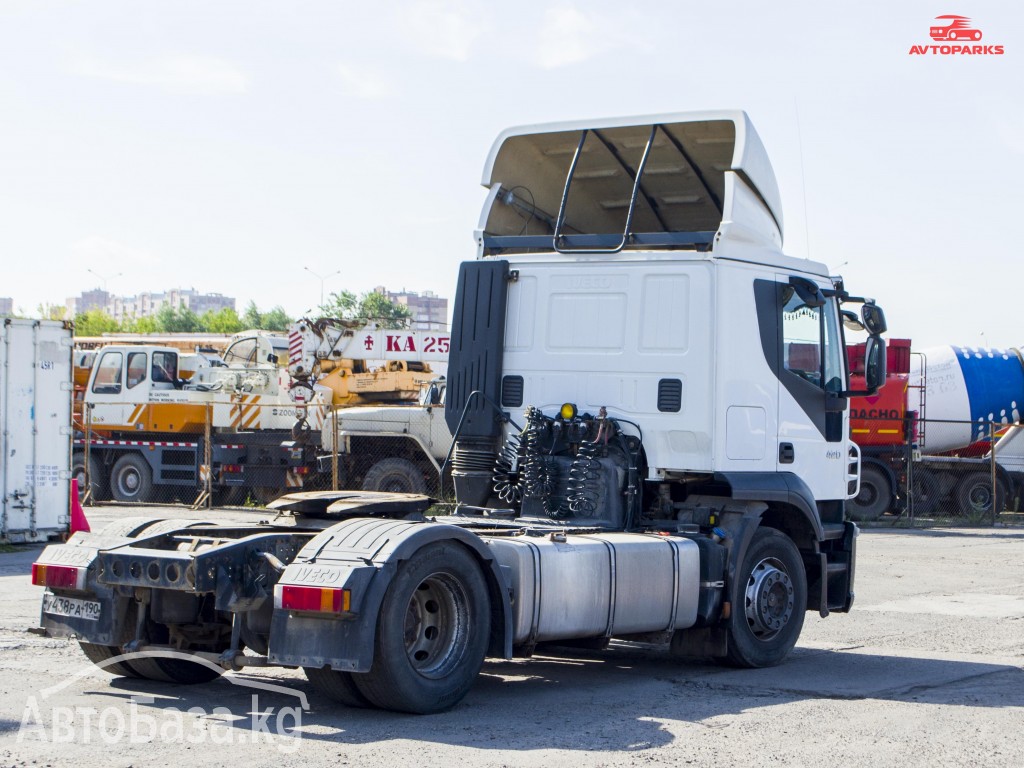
968, 385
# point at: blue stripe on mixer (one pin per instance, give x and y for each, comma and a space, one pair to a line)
994, 380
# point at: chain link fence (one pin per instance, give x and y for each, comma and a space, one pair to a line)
240, 452
950, 473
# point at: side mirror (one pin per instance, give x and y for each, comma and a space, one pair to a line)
874, 361
873, 320
850, 321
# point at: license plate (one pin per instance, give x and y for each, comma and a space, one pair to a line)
71, 606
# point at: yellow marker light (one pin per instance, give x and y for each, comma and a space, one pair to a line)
568, 412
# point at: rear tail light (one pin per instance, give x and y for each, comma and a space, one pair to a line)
58, 576
301, 470
314, 599
231, 468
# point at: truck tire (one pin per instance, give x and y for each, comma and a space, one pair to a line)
98, 654
874, 497
927, 492
395, 475
131, 479
432, 632
337, 686
770, 601
96, 478
974, 496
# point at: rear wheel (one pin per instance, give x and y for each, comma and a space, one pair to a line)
768, 611
977, 499
131, 479
338, 686
100, 655
395, 475
432, 632
874, 497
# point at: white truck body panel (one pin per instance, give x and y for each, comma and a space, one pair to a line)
35, 424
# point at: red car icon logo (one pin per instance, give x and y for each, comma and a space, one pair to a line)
954, 28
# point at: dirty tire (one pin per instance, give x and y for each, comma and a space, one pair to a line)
337, 686
975, 497
927, 492
769, 601
432, 632
173, 670
131, 479
96, 477
98, 654
395, 475
874, 497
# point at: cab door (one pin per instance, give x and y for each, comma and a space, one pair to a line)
812, 415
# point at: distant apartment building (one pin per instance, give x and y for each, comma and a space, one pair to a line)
148, 304
6, 306
429, 311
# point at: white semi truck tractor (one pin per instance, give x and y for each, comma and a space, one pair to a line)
649, 405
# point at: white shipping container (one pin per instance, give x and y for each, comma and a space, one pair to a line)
35, 429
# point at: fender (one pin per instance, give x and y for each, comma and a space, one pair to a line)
365, 555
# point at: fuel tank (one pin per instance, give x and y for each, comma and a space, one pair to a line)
598, 585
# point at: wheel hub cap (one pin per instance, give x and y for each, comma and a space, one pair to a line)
768, 599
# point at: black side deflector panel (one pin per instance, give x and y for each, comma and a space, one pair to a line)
478, 337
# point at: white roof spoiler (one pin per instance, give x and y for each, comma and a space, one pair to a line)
658, 181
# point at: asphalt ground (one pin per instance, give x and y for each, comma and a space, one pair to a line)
927, 670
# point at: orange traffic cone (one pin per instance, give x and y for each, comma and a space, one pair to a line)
78, 521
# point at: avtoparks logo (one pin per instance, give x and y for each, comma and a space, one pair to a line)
958, 36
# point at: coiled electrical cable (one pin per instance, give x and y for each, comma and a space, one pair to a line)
507, 484
584, 480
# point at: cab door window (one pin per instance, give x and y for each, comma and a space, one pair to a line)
136, 368
165, 368
108, 374
802, 339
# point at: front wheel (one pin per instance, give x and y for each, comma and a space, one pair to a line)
395, 475
873, 499
96, 479
768, 609
432, 632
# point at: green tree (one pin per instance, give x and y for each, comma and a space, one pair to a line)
252, 318
51, 311
95, 322
379, 309
276, 320
224, 321
343, 305
371, 307
174, 320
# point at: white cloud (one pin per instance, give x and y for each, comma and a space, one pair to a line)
197, 75
447, 29
363, 84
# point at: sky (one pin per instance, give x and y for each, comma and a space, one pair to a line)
232, 146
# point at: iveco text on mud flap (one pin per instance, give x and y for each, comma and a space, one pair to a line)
649, 404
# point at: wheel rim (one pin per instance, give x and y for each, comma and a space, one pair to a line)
436, 625
129, 481
768, 599
868, 494
980, 498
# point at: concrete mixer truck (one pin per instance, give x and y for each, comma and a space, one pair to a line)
938, 416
